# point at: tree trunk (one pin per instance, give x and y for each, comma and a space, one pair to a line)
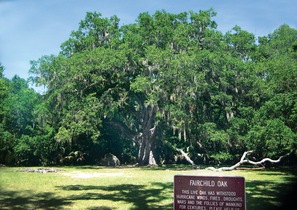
146, 147
147, 138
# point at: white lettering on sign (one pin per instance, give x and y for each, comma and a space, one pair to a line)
214, 198
182, 207
215, 208
210, 203
202, 197
211, 192
234, 204
202, 183
185, 196
222, 184
208, 183
191, 202
226, 193
201, 192
195, 192
233, 199
197, 207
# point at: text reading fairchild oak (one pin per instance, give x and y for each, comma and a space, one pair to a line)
209, 193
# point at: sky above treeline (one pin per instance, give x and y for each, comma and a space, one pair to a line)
33, 28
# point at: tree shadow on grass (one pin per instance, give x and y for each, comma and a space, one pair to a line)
261, 195
140, 196
30, 200
268, 195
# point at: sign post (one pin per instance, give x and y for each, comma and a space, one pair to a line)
209, 193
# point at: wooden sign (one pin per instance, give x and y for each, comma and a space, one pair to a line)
209, 193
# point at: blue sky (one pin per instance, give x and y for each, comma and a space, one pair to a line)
30, 29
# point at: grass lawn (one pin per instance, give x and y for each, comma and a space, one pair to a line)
93, 187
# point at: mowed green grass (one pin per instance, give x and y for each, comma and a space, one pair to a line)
125, 187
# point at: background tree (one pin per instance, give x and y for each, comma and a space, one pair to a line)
20, 136
6, 142
274, 130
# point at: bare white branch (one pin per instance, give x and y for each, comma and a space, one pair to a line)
243, 160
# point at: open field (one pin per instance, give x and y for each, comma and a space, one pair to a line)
93, 187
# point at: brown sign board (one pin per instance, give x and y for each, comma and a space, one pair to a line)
209, 193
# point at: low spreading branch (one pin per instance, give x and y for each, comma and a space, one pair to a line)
185, 155
243, 160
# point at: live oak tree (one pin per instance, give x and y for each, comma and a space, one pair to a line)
124, 74
169, 84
